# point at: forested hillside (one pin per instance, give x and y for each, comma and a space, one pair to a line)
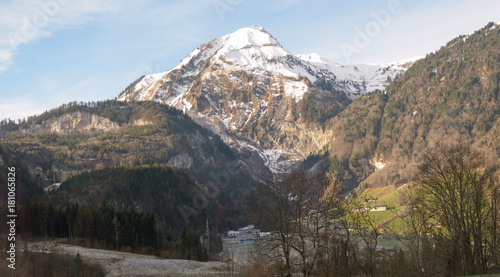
147, 209
451, 96
164, 190
112, 140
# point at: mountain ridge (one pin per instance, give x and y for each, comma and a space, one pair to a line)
449, 97
244, 86
363, 134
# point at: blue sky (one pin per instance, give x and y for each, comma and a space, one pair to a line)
56, 51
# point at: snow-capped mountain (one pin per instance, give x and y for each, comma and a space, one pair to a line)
248, 88
254, 50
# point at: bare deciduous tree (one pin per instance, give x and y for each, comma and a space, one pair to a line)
417, 224
299, 210
461, 196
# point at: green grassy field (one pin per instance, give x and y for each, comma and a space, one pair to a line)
397, 226
387, 220
386, 196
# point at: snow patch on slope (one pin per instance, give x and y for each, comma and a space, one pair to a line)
406, 61
148, 80
378, 164
272, 158
295, 89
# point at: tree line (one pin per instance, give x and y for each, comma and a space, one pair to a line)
316, 232
106, 226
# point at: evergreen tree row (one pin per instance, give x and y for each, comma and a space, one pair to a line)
106, 227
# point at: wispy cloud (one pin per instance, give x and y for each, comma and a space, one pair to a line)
5, 59
150, 30
20, 110
25, 21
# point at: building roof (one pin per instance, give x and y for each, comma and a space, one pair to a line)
54, 186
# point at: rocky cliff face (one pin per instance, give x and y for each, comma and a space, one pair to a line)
76, 121
247, 88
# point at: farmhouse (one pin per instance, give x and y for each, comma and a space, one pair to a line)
373, 199
362, 209
244, 234
379, 208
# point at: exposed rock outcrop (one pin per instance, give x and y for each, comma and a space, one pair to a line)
76, 121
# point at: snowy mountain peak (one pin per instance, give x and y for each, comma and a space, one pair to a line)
249, 36
244, 84
256, 27
256, 52
247, 47
250, 43
314, 58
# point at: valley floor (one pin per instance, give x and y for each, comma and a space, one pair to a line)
128, 264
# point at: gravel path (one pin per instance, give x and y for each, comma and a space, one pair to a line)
128, 264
